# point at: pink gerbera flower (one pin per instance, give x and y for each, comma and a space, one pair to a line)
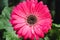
31, 19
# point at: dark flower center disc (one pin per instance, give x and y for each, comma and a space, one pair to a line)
31, 19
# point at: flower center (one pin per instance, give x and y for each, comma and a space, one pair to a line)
32, 19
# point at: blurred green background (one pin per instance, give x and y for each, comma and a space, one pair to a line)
6, 31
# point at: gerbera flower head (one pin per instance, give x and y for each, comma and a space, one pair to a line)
31, 19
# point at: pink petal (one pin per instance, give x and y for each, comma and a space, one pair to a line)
28, 4
39, 6
33, 7
25, 7
28, 35
32, 0
25, 30
21, 20
20, 31
18, 26
44, 13
38, 31
17, 17
19, 12
45, 24
36, 36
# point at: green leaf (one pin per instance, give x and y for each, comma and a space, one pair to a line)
46, 38
56, 25
10, 34
54, 34
4, 18
41, 38
6, 12
1, 23
5, 24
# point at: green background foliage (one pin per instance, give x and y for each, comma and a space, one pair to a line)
6, 28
